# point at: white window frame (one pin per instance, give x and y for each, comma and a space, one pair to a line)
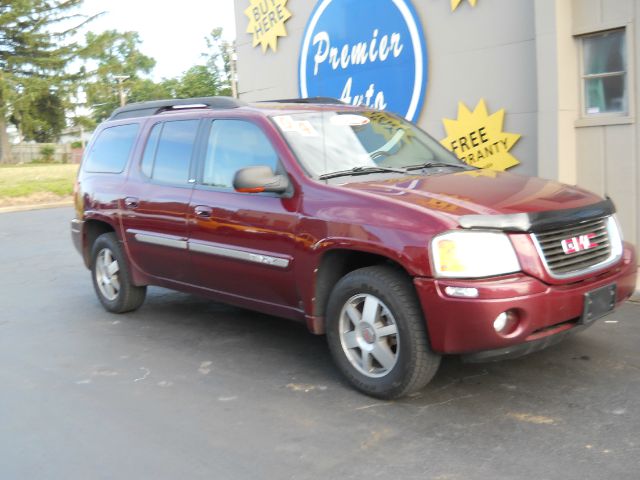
608, 118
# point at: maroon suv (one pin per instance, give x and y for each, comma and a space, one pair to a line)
351, 220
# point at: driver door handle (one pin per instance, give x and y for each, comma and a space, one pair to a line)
131, 203
202, 211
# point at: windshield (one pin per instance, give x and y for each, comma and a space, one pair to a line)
330, 142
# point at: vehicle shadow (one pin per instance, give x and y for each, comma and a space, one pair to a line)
238, 338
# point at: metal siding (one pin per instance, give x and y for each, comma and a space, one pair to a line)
590, 152
620, 177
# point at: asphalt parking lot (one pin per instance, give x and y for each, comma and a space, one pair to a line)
187, 388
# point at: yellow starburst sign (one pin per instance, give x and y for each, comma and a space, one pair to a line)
456, 3
266, 22
478, 140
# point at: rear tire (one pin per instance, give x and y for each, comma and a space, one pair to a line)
111, 278
376, 333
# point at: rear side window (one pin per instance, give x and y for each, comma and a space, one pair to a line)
110, 151
167, 155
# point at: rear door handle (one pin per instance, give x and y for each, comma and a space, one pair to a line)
203, 211
131, 203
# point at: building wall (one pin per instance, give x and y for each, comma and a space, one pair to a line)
608, 150
484, 52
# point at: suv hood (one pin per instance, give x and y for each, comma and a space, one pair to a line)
468, 197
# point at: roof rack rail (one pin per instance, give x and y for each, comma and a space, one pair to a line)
320, 100
144, 109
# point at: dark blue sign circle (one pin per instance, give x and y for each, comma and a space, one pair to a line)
366, 53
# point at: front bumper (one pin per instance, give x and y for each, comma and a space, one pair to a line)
547, 312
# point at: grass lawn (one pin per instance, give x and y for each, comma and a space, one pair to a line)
40, 182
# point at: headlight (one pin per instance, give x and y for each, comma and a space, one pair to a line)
467, 254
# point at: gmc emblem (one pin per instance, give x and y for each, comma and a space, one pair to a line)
578, 244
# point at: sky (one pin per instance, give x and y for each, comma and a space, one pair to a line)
171, 32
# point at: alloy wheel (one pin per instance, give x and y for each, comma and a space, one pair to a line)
107, 274
369, 335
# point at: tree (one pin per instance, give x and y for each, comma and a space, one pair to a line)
39, 116
114, 54
34, 47
218, 58
210, 79
197, 82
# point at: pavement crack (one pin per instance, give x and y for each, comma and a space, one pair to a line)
146, 371
451, 400
374, 405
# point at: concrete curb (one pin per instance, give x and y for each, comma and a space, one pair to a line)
39, 206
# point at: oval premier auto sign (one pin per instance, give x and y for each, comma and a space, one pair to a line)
365, 53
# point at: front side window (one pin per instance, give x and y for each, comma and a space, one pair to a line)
233, 145
167, 155
604, 75
110, 151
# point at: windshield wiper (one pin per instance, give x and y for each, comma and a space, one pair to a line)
360, 171
439, 164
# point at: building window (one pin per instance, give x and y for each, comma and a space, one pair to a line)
604, 73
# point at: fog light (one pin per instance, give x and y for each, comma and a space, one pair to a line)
463, 292
506, 322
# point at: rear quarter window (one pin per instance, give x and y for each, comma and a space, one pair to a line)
110, 151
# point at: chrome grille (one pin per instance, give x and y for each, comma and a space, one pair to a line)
561, 264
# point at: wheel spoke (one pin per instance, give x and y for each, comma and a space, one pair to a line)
113, 268
387, 330
354, 315
366, 361
106, 258
115, 281
350, 339
383, 354
370, 310
109, 290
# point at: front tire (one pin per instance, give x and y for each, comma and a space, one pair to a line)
111, 279
376, 333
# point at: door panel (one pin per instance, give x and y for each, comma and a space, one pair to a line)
246, 247
242, 244
156, 230
157, 201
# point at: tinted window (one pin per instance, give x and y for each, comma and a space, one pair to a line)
173, 154
110, 151
232, 145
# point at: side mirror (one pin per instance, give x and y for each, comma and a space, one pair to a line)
259, 179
